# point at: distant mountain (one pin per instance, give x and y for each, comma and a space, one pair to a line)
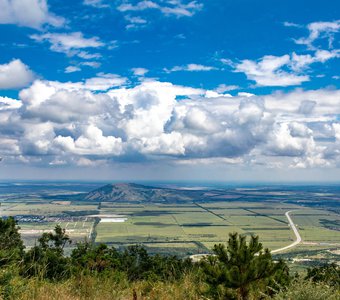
131, 192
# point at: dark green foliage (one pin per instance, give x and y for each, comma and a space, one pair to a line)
171, 267
329, 274
134, 261
11, 245
92, 258
47, 259
241, 267
138, 264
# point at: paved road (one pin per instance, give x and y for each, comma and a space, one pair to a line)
296, 232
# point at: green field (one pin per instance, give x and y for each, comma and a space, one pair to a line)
201, 226
182, 228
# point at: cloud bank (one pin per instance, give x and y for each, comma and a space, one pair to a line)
99, 120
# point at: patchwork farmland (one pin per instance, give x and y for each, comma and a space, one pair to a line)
184, 227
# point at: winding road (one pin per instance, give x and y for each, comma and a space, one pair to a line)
296, 232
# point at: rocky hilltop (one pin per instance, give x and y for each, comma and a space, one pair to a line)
131, 192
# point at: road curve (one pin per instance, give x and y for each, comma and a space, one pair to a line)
296, 232
198, 257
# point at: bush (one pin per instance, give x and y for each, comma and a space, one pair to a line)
329, 274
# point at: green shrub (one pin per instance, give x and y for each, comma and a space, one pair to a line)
329, 274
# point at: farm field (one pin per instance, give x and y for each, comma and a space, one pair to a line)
182, 228
205, 225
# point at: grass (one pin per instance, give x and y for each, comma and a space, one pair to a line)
306, 290
116, 286
105, 287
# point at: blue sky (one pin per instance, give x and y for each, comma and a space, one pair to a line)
183, 89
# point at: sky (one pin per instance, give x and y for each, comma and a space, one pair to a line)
170, 90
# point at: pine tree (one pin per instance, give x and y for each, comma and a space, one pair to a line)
241, 266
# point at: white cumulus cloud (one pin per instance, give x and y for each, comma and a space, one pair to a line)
29, 13
139, 71
15, 75
283, 70
268, 71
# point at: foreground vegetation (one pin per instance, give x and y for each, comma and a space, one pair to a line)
240, 269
